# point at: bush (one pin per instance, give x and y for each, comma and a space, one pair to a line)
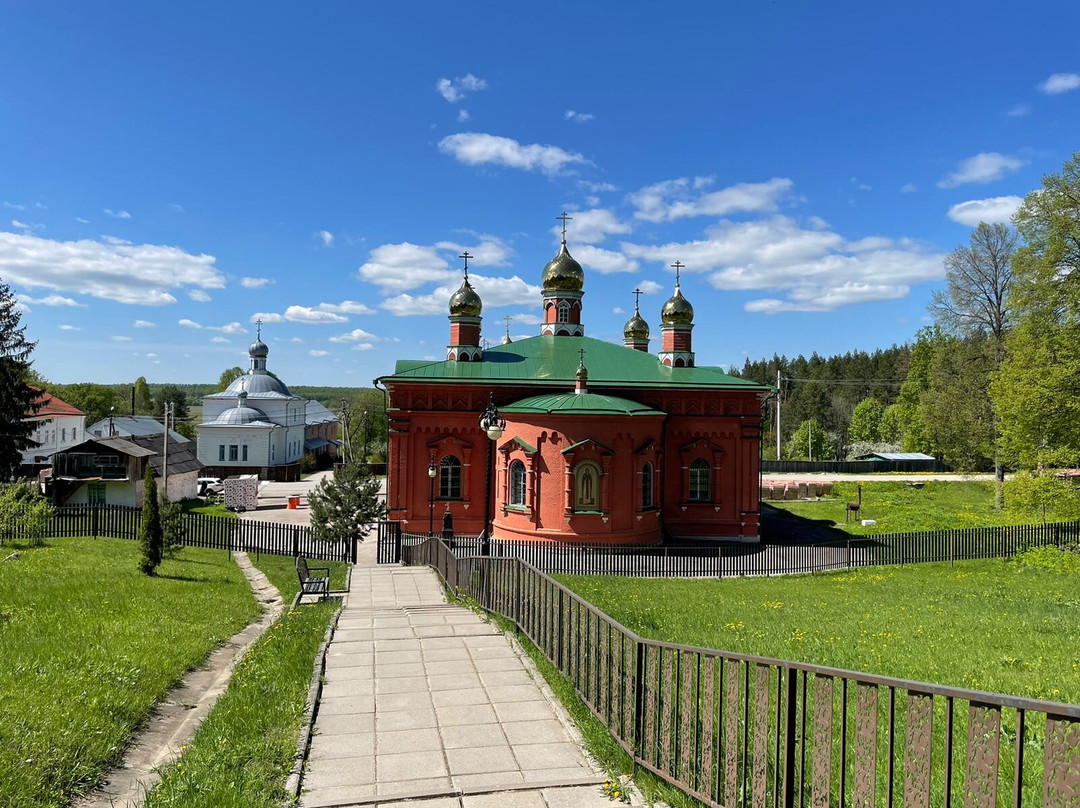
23, 508
309, 463
1028, 493
150, 536
172, 528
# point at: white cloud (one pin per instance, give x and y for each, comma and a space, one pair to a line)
463, 115
527, 318
51, 300
67, 327
312, 316
326, 237
175, 208
15, 205
356, 335
267, 317
490, 252
397, 267
229, 328
982, 168
346, 307
995, 210
122, 272
618, 310
604, 261
677, 199
297, 341
144, 324
26, 225
218, 339
1060, 83
579, 117
120, 339
591, 226
363, 346
453, 90
475, 148
494, 292
151, 356
908, 188
650, 287
186, 323
1019, 110
255, 283
199, 296
117, 214
598, 187
817, 269
318, 353
81, 220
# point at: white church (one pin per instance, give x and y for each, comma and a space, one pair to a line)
256, 426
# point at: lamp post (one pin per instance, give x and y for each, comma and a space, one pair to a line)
493, 424
431, 472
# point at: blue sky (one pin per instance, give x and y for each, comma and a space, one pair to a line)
168, 174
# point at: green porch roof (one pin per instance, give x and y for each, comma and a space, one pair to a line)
553, 361
579, 404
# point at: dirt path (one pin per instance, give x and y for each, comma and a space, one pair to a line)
176, 717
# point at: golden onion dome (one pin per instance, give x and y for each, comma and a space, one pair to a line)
465, 301
563, 273
636, 328
677, 309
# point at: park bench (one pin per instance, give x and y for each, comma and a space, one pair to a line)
311, 584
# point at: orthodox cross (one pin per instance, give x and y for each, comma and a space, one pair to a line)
581, 352
508, 318
677, 266
466, 256
564, 218
258, 329
637, 298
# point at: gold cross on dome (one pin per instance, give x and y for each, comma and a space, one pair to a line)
564, 218
508, 318
581, 352
637, 298
677, 266
466, 255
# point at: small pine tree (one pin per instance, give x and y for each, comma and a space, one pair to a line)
344, 505
172, 528
150, 533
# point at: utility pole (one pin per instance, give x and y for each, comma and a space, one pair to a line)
778, 413
165, 454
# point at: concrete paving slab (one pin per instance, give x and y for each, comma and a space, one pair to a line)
410, 740
405, 719
482, 760
511, 799
349, 745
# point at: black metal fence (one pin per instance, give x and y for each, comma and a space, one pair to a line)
197, 530
850, 466
740, 730
733, 559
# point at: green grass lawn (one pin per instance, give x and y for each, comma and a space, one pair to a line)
241, 755
1007, 627
281, 570
900, 507
88, 644
207, 508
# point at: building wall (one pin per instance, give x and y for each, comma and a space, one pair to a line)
721, 427
258, 441
56, 434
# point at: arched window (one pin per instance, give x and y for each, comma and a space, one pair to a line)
564, 312
647, 486
699, 481
586, 488
450, 478
517, 483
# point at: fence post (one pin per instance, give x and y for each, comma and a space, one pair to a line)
1002, 544
397, 543
295, 542
639, 702
789, 739
849, 553
94, 520
952, 549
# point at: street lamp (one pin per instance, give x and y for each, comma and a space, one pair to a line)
431, 472
491, 423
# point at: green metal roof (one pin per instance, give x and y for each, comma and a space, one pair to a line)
579, 404
552, 361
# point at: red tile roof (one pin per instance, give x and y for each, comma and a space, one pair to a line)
52, 407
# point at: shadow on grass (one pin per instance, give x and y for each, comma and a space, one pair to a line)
783, 527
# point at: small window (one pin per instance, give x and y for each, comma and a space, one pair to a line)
517, 483
95, 493
221, 452
273, 452
450, 478
587, 488
234, 453
699, 481
63, 435
564, 312
647, 486
243, 453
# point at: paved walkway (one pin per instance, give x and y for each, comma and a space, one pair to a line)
423, 700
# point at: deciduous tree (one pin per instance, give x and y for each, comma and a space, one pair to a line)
810, 442
144, 402
228, 376
866, 421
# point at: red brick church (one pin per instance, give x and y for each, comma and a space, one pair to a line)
593, 442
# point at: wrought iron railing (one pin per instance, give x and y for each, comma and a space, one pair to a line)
740, 730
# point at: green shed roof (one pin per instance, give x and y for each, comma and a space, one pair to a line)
579, 404
553, 361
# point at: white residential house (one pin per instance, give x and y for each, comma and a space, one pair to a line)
59, 426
